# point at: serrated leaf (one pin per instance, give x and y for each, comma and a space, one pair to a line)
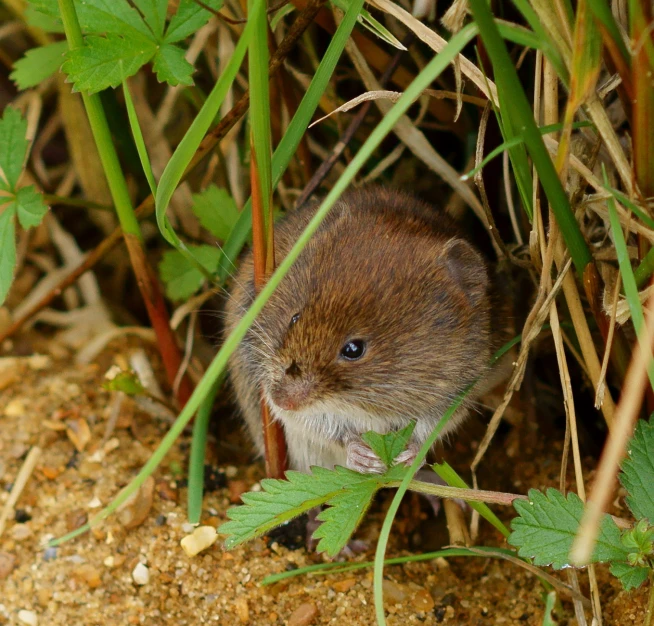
343, 515
106, 61
38, 19
216, 210
29, 207
630, 577
181, 277
171, 66
189, 18
388, 446
116, 17
282, 500
637, 475
7, 251
547, 525
13, 146
38, 64
154, 12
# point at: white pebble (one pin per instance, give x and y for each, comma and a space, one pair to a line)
28, 617
187, 527
201, 538
141, 574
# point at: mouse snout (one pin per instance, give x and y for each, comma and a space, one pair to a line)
293, 391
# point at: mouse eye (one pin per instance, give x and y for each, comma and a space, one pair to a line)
294, 319
353, 349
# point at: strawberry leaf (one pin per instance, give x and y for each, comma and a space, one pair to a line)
181, 277
154, 12
111, 16
637, 475
190, 17
171, 66
29, 207
38, 64
282, 500
106, 61
547, 525
388, 446
216, 211
630, 577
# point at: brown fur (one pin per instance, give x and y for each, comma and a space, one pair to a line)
383, 267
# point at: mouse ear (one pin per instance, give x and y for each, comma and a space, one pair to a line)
467, 268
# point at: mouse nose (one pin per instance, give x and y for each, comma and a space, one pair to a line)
293, 370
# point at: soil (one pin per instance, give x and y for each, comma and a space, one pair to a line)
119, 575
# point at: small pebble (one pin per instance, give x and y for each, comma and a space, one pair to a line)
242, 610
304, 615
200, 539
7, 564
134, 511
344, 585
20, 532
141, 574
50, 554
422, 601
96, 503
28, 617
15, 408
160, 520
394, 593
89, 575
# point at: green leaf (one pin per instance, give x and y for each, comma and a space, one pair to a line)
344, 513
13, 147
111, 16
154, 12
388, 446
45, 21
127, 382
282, 500
637, 475
181, 277
547, 525
216, 211
189, 18
30, 207
7, 251
107, 61
38, 64
171, 66
630, 577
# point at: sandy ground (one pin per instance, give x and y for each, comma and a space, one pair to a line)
57, 413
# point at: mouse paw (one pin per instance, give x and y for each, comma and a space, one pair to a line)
361, 458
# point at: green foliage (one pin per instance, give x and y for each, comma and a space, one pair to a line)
183, 278
38, 64
387, 447
24, 203
127, 382
347, 494
119, 40
637, 475
548, 523
216, 211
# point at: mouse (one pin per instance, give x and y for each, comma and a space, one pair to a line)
385, 317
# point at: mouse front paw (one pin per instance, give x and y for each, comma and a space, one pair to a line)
361, 458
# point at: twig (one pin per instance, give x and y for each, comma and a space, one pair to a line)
19, 484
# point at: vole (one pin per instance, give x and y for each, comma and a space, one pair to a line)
384, 318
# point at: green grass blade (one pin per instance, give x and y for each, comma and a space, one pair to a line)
522, 116
629, 280
196, 458
184, 152
258, 58
447, 473
603, 14
138, 139
293, 135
